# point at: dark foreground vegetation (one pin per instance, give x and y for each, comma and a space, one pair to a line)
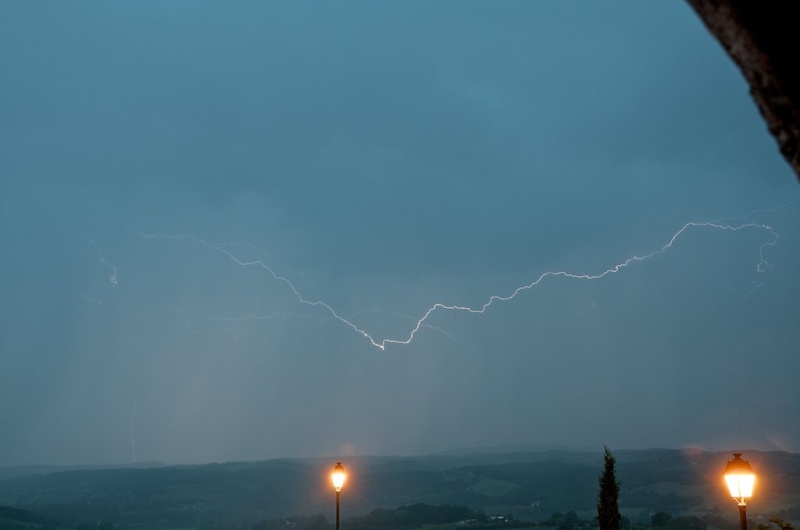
403, 517
660, 490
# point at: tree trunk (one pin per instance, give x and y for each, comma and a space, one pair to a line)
762, 39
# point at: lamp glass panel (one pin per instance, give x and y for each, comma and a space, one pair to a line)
740, 485
338, 479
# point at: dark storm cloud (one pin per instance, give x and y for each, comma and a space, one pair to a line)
382, 157
339, 114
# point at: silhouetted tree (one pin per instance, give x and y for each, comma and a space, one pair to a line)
783, 525
608, 516
689, 522
660, 519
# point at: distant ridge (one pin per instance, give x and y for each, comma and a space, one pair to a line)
24, 470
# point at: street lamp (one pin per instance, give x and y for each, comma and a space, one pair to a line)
337, 477
740, 479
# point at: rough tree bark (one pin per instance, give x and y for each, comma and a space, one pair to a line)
762, 38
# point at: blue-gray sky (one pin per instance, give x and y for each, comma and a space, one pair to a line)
160, 161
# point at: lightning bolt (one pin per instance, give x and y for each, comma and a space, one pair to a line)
227, 322
421, 322
113, 281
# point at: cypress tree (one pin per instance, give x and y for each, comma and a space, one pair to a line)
608, 516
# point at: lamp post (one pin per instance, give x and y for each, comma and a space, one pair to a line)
337, 477
740, 479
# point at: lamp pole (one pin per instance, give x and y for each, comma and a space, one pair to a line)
338, 477
740, 479
743, 516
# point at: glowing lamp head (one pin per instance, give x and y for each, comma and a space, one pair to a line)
338, 476
740, 479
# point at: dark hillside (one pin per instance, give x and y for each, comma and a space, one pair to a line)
531, 486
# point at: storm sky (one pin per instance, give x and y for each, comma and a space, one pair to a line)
211, 214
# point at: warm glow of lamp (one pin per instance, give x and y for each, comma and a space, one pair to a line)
740, 479
338, 476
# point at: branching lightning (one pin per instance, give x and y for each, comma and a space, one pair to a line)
112, 279
227, 322
422, 322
